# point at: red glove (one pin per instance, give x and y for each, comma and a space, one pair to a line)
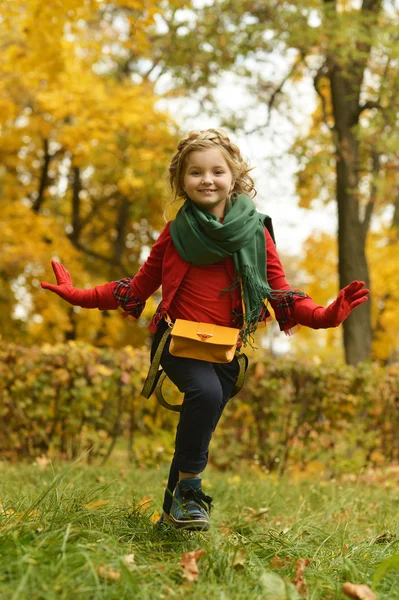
100, 297
306, 312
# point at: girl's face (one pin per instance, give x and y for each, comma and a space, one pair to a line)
208, 180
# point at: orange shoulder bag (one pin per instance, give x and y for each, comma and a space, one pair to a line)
203, 341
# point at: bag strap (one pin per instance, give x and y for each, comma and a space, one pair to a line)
156, 376
154, 373
269, 226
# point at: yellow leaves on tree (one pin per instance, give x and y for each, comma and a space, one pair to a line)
87, 150
319, 274
383, 252
319, 266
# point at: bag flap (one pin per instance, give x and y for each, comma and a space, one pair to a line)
205, 332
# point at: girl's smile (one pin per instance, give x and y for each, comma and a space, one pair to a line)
208, 180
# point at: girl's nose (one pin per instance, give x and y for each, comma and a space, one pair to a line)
207, 178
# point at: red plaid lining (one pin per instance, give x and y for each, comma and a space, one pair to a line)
130, 304
283, 309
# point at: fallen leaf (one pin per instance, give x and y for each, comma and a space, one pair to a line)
189, 564
155, 516
32, 514
280, 563
258, 514
42, 462
142, 505
237, 560
359, 591
96, 504
108, 574
300, 581
128, 559
225, 529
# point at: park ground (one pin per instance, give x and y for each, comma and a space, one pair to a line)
73, 531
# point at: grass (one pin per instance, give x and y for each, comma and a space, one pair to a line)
66, 530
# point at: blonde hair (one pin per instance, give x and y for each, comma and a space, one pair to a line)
203, 140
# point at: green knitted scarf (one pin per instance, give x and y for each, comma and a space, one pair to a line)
201, 239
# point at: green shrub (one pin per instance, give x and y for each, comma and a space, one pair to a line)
60, 400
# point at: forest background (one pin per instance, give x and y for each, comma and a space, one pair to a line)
89, 118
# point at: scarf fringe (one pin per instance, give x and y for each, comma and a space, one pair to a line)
258, 295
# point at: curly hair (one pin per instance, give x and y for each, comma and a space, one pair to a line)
203, 140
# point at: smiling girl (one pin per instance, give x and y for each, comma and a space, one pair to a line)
217, 243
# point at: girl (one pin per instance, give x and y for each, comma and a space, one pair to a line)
216, 243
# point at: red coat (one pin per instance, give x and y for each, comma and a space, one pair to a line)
165, 267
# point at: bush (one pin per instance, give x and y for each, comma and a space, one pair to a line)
60, 400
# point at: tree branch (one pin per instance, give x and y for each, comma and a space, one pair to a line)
368, 106
275, 93
43, 178
96, 206
92, 253
323, 71
76, 189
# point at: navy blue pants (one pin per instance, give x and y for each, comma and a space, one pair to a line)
207, 388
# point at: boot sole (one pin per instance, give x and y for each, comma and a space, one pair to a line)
194, 525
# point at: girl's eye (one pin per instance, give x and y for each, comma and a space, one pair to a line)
219, 172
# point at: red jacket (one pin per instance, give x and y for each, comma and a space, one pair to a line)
165, 267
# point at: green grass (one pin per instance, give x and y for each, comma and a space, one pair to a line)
52, 545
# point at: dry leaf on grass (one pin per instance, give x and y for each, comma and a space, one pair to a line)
143, 504
108, 574
300, 581
225, 529
237, 560
155, 516
359, 591
189, 564
258, 514
96, 504
42, 462
279, 563
128, 559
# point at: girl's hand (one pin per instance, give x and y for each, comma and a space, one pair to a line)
349, 298
64, 287
100, 297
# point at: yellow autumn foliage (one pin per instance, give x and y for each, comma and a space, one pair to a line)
67, 119
319, 265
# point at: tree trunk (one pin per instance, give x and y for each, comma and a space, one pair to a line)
121, 226
346, 81
352, 264
352, 230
